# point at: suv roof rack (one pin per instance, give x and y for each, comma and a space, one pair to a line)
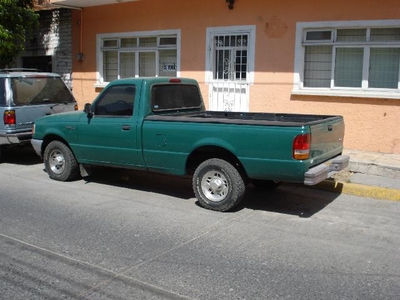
10, 70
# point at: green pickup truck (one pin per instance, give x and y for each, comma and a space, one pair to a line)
161, 125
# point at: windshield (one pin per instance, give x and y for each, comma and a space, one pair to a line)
39, 90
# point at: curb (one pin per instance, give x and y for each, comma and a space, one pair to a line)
360, 190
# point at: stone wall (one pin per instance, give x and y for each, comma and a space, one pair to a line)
53, 38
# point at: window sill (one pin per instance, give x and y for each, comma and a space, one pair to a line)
351, 94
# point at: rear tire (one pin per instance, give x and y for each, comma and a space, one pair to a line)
60, 162
218, 185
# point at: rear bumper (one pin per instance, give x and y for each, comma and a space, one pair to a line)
15, 138
325, 170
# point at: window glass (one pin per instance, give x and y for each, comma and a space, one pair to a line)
319, 35
168, 62
385, 34
148, 42
147, 63
139, 56
384, 68
167, 41
110, 65
116, 101
358, 58
129, 43
349, 67
110, 43
175, 97
241, 65
318, 66
127, 64
39, 90
352, 35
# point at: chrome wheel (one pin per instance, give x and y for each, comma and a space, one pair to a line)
215, 186
57, 162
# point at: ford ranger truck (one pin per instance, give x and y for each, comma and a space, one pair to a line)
160, 125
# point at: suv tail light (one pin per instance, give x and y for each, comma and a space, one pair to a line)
301, 146
76, 107
9, 117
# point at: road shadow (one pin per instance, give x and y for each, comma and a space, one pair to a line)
291, 199
174, 186
19, 155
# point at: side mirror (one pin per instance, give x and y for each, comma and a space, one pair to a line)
88, 110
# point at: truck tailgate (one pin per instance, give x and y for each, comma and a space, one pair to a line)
326, 139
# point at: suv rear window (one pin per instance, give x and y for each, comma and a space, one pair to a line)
30, 90
165, 97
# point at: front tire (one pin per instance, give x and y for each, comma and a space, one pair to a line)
218, 185
60, 162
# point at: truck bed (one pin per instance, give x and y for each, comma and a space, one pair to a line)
273, 119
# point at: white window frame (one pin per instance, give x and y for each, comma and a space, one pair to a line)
364, 92
212, 31
100, 83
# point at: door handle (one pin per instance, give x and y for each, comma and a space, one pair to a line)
126, 127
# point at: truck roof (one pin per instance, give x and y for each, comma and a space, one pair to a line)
154, 80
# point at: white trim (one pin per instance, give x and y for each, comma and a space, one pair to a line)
118, 35
302, 27
250, 30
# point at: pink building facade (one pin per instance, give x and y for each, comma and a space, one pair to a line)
314, 57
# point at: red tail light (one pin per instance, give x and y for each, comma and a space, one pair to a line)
76, 107
9, 117
301, 146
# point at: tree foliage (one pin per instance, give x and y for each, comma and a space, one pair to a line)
17, 21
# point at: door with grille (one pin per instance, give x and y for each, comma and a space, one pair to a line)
230, 71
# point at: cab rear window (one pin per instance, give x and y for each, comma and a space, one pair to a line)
29, 90
173, 97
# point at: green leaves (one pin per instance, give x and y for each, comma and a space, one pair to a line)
17, 21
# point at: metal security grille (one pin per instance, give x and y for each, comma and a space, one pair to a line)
231, 57
229, 89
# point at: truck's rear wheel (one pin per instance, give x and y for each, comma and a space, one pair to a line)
218, 185
60, 162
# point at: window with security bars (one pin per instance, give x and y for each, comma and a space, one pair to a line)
230, 57
124, 57
360, 58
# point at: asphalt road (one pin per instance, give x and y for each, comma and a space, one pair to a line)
135, 235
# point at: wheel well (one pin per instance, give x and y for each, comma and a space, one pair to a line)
49, 138
206, 152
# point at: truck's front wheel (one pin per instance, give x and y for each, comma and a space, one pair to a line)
60, 162
218, 185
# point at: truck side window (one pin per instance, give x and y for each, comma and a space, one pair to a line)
116, 101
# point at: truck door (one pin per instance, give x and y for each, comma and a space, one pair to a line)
110, 136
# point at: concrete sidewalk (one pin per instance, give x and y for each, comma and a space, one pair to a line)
370, 174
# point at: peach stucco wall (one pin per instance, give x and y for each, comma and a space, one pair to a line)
371, 124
